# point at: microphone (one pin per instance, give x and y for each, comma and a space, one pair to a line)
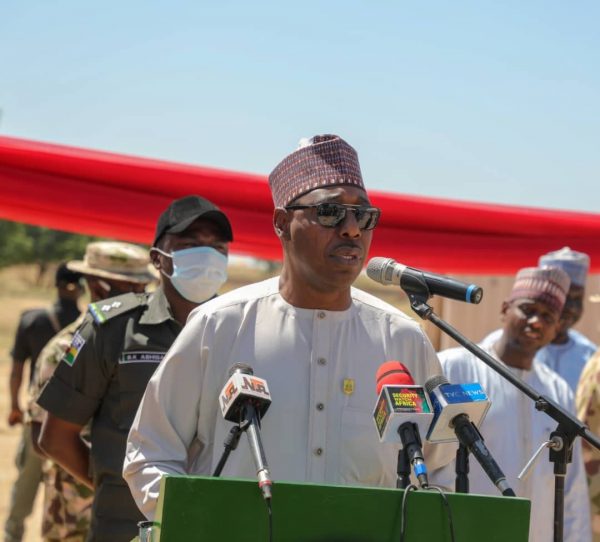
402, 410
414, 281
451, 400
244, 399
452, 405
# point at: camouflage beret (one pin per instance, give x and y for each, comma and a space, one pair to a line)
117, 261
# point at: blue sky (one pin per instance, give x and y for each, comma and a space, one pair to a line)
483, 101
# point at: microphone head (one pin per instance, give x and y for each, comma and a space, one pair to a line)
242, 368
392, 373
399, 401
451, 400
435, 381
241, 388
376, 269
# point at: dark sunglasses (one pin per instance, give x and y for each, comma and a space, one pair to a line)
332, 214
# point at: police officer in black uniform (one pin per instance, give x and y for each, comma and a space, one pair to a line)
36, 328
114, 353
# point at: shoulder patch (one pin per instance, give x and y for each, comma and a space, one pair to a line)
103, 311
73, 351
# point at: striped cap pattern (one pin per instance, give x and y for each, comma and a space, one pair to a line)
576, 264
325, 160
546, 284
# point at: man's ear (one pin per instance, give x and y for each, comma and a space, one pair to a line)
504, 309
155, 258
281, 223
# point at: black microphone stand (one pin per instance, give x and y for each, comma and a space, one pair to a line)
230, 444
403, 469
462, 469
569, 427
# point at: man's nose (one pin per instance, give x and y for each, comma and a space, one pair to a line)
534, 320
349, 226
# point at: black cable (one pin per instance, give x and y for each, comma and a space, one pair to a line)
231, 441
448, 509
409, 488
412, 487
270, 510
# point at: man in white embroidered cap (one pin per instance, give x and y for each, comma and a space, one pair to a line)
569, 350
568, 353
316, 340
513, 428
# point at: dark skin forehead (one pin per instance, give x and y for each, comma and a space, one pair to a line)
535, 305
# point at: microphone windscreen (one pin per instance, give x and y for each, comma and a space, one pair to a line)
376, 267
435, 381
392, 373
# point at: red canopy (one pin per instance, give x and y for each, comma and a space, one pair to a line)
121, 197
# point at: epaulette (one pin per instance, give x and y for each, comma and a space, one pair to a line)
104, 310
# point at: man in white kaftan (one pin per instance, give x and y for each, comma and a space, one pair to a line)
569, 351
513, 429
316, 340
314, 430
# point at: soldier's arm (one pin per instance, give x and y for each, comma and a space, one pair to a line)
71, 397
61, 441
47, 362
20, 353
16, 378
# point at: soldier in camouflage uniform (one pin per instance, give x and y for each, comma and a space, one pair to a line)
588, 410
110, 269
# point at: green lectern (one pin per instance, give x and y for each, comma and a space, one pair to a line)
202, 509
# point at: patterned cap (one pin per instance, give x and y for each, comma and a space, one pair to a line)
117, 261
576, 264
324, 160
546, 284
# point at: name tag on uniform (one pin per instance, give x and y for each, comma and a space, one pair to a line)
141, 357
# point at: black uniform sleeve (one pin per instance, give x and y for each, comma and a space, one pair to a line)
78, 385
21, 351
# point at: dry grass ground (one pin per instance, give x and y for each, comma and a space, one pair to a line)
20, 290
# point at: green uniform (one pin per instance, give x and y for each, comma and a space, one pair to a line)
67, 508
102, 378
588, 410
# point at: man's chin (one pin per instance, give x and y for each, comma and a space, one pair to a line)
561, 338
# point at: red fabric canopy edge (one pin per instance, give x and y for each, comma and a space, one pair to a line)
118, 196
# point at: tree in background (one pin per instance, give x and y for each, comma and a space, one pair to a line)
21, 243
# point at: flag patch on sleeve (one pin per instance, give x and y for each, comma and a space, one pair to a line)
73, 351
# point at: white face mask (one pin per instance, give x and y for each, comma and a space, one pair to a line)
198, 272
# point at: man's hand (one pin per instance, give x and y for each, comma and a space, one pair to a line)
15, 416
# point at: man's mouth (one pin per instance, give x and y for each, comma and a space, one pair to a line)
532, 335
346, 254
